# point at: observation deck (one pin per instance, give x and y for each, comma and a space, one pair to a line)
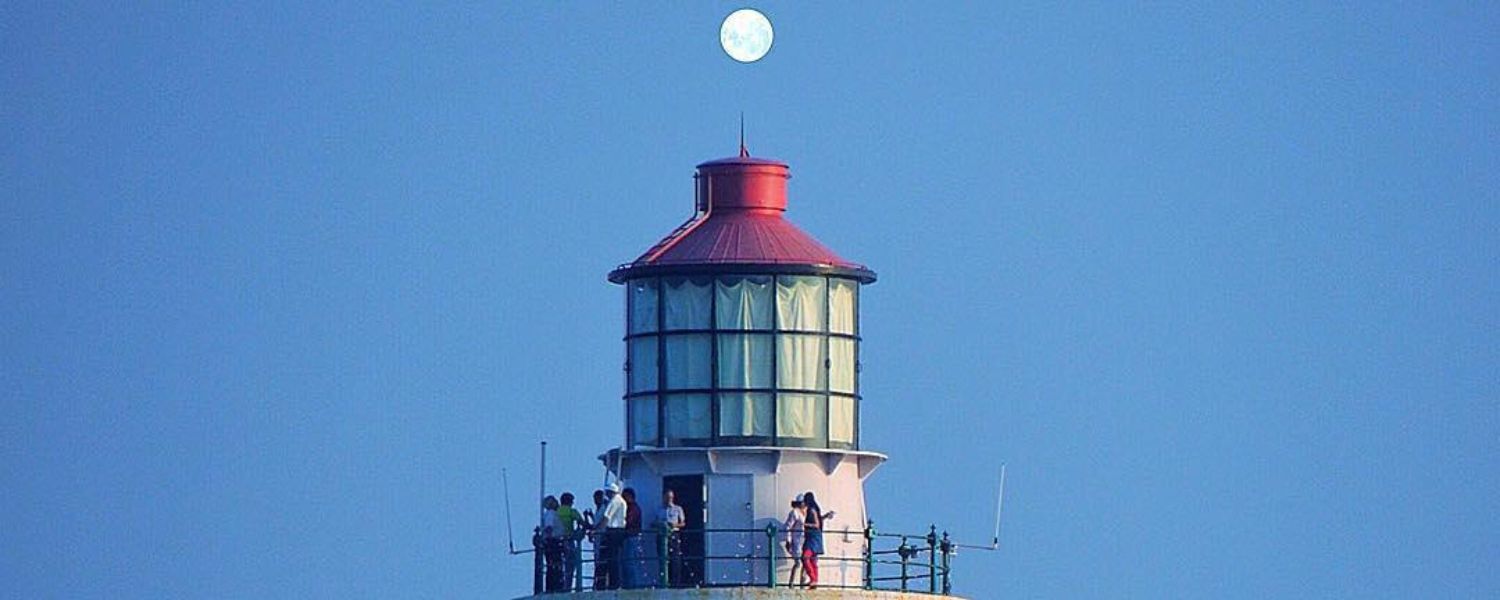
752, 564
738, 594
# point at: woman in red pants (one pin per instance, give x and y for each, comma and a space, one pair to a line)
812, 538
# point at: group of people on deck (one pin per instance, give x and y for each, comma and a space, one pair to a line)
615, 526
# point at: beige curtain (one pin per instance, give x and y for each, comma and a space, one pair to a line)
744, 303
800, 302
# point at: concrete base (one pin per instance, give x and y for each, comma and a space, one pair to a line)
745, 593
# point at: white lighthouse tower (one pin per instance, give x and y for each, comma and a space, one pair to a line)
742, 392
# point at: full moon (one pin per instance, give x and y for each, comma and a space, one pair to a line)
746, 35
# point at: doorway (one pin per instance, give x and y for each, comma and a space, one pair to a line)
689, 492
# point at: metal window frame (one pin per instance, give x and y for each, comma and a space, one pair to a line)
658, 283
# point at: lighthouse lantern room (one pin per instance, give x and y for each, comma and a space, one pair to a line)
742, 373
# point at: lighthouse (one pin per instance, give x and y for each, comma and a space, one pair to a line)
741, 392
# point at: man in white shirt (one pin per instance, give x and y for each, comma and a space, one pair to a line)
613, 520
614, 510
672, 519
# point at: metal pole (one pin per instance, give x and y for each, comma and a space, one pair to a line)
947, 565
577, 549
663, 554
510, 533
869, 554
905, 553
541, 521
541, 515
932, 559
999, 504
619, 464
536, 561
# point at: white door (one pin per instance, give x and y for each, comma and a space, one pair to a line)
730, 506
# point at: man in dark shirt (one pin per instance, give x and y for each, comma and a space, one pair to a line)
632, 555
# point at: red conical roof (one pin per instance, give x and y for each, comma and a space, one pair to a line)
741, 201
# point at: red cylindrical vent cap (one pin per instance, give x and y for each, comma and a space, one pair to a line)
743, 183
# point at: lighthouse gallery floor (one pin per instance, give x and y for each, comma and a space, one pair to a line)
745, 593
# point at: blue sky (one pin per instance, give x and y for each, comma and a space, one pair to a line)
285, 287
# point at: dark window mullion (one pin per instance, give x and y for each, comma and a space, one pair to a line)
713, 362
661, 364
857, 366
775, 354
630, 440
827, 361
855, 441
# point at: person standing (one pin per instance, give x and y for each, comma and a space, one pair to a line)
613, 520
552, 546
812, 540
572, 529
599, 502
594, 520
672, 520
633, 567
794, 527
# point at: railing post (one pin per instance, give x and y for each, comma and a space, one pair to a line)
577, 557
869, 555
905, 553
537, 566
663, 555
932, 586
771, 555
947, 564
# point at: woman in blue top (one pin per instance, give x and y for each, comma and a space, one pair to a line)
812, 539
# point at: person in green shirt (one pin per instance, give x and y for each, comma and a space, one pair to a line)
572, 535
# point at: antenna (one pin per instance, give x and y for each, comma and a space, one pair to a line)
744, 152
619, 468
510, 532
999, 505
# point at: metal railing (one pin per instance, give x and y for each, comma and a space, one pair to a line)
920, 563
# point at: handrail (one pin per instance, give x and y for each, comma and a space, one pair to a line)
921, 563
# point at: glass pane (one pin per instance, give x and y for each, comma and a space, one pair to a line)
688, 417
642, 298
744, 360
688, 303
643, 421
688, 357
842, 315
744, 303
642, 364
841, 365
801, 416
800, 303
799, 362
841, 419
745, 414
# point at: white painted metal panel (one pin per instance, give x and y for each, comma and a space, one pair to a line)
731, 506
